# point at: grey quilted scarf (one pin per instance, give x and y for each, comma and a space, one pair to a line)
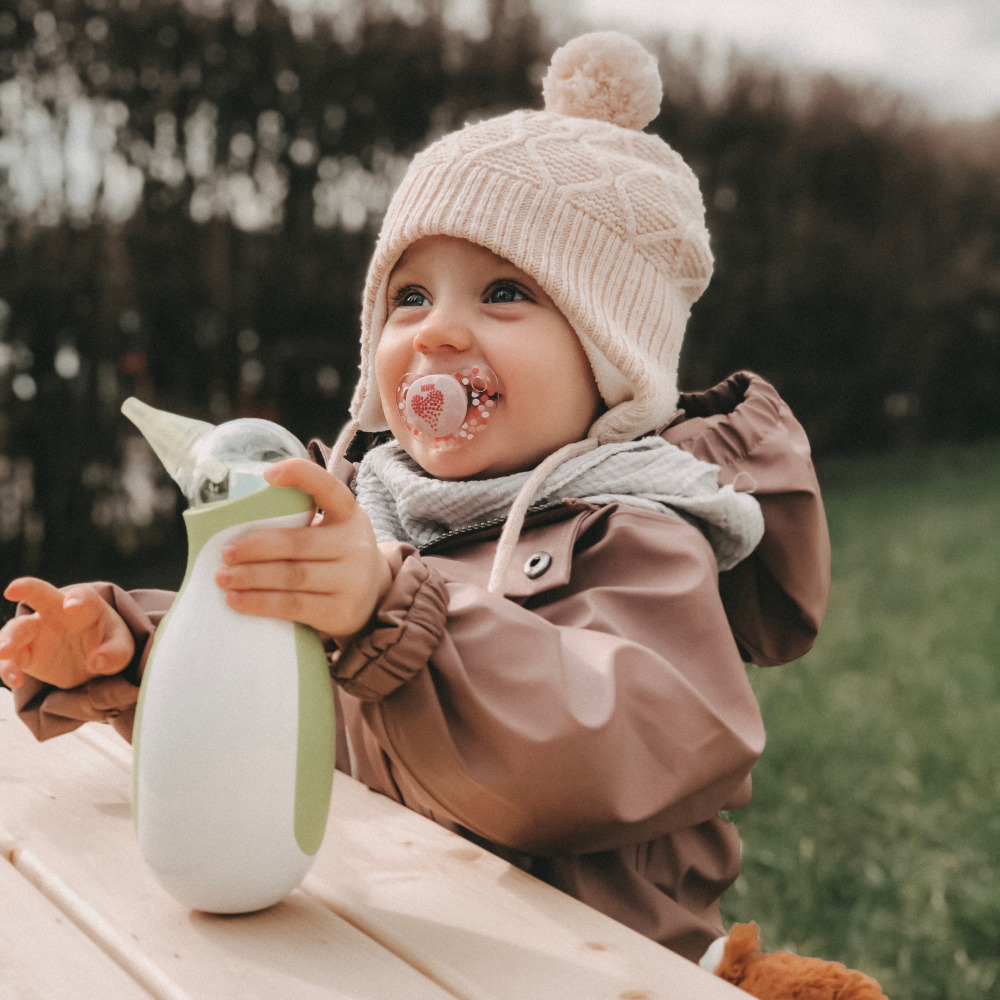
407, 505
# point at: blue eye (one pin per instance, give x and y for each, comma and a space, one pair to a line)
506, 292
410, 297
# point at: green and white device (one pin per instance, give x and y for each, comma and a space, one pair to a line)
234, 732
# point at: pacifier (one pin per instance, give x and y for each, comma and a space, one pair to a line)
446, 410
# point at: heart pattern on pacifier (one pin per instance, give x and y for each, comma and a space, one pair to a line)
428, 404
445, 410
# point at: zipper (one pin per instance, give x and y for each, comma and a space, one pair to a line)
479, 526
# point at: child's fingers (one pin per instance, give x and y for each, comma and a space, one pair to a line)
40, 595
10, 671
112, 656
328, 613
283, 576
329, 494
17, 634
84, 608
319, 542
11, 675
76, 607
19, 589
269, 545
14, 637
330, 596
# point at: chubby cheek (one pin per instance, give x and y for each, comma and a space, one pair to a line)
389, 372
388, 375
588, 404
563, 397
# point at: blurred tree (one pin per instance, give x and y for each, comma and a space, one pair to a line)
189, 192
190, 189
848, 249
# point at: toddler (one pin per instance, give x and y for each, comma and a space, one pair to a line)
538, 597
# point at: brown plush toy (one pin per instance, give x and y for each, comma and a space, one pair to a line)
780, 975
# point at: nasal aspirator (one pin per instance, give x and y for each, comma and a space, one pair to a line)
234, 731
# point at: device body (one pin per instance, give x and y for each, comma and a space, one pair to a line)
234, 733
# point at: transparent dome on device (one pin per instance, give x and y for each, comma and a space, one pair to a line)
212, 463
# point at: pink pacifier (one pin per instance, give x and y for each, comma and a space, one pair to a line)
448, 410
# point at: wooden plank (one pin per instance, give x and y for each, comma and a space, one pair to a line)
472, 922
469, 921
44, 957
65, 807
479, 926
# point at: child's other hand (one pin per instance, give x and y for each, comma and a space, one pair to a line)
330, 575
71, 636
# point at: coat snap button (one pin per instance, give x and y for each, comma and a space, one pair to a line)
537, 565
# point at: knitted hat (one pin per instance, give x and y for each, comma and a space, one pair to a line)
608, 219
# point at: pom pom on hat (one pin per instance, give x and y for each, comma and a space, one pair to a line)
604, 75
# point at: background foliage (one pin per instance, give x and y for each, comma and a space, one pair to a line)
189, 192
873, 836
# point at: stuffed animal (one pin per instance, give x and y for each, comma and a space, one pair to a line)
780, 975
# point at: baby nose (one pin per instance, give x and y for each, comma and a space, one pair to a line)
443, 328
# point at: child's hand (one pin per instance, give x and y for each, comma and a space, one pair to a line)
330, 575
71, 636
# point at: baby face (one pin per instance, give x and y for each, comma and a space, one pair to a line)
454, 305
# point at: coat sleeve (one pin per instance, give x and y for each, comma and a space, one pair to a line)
776, 598
50, 711
607, 712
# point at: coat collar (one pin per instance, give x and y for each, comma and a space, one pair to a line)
543, 557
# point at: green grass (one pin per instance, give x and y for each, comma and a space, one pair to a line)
874, 834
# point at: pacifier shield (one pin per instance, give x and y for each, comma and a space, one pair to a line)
448, 408
436, 405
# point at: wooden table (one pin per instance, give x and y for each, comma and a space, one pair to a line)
395, 907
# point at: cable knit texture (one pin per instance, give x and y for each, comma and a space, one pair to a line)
608, 219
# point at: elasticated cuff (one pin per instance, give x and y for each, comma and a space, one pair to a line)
48, 711
408, 625
51, 711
